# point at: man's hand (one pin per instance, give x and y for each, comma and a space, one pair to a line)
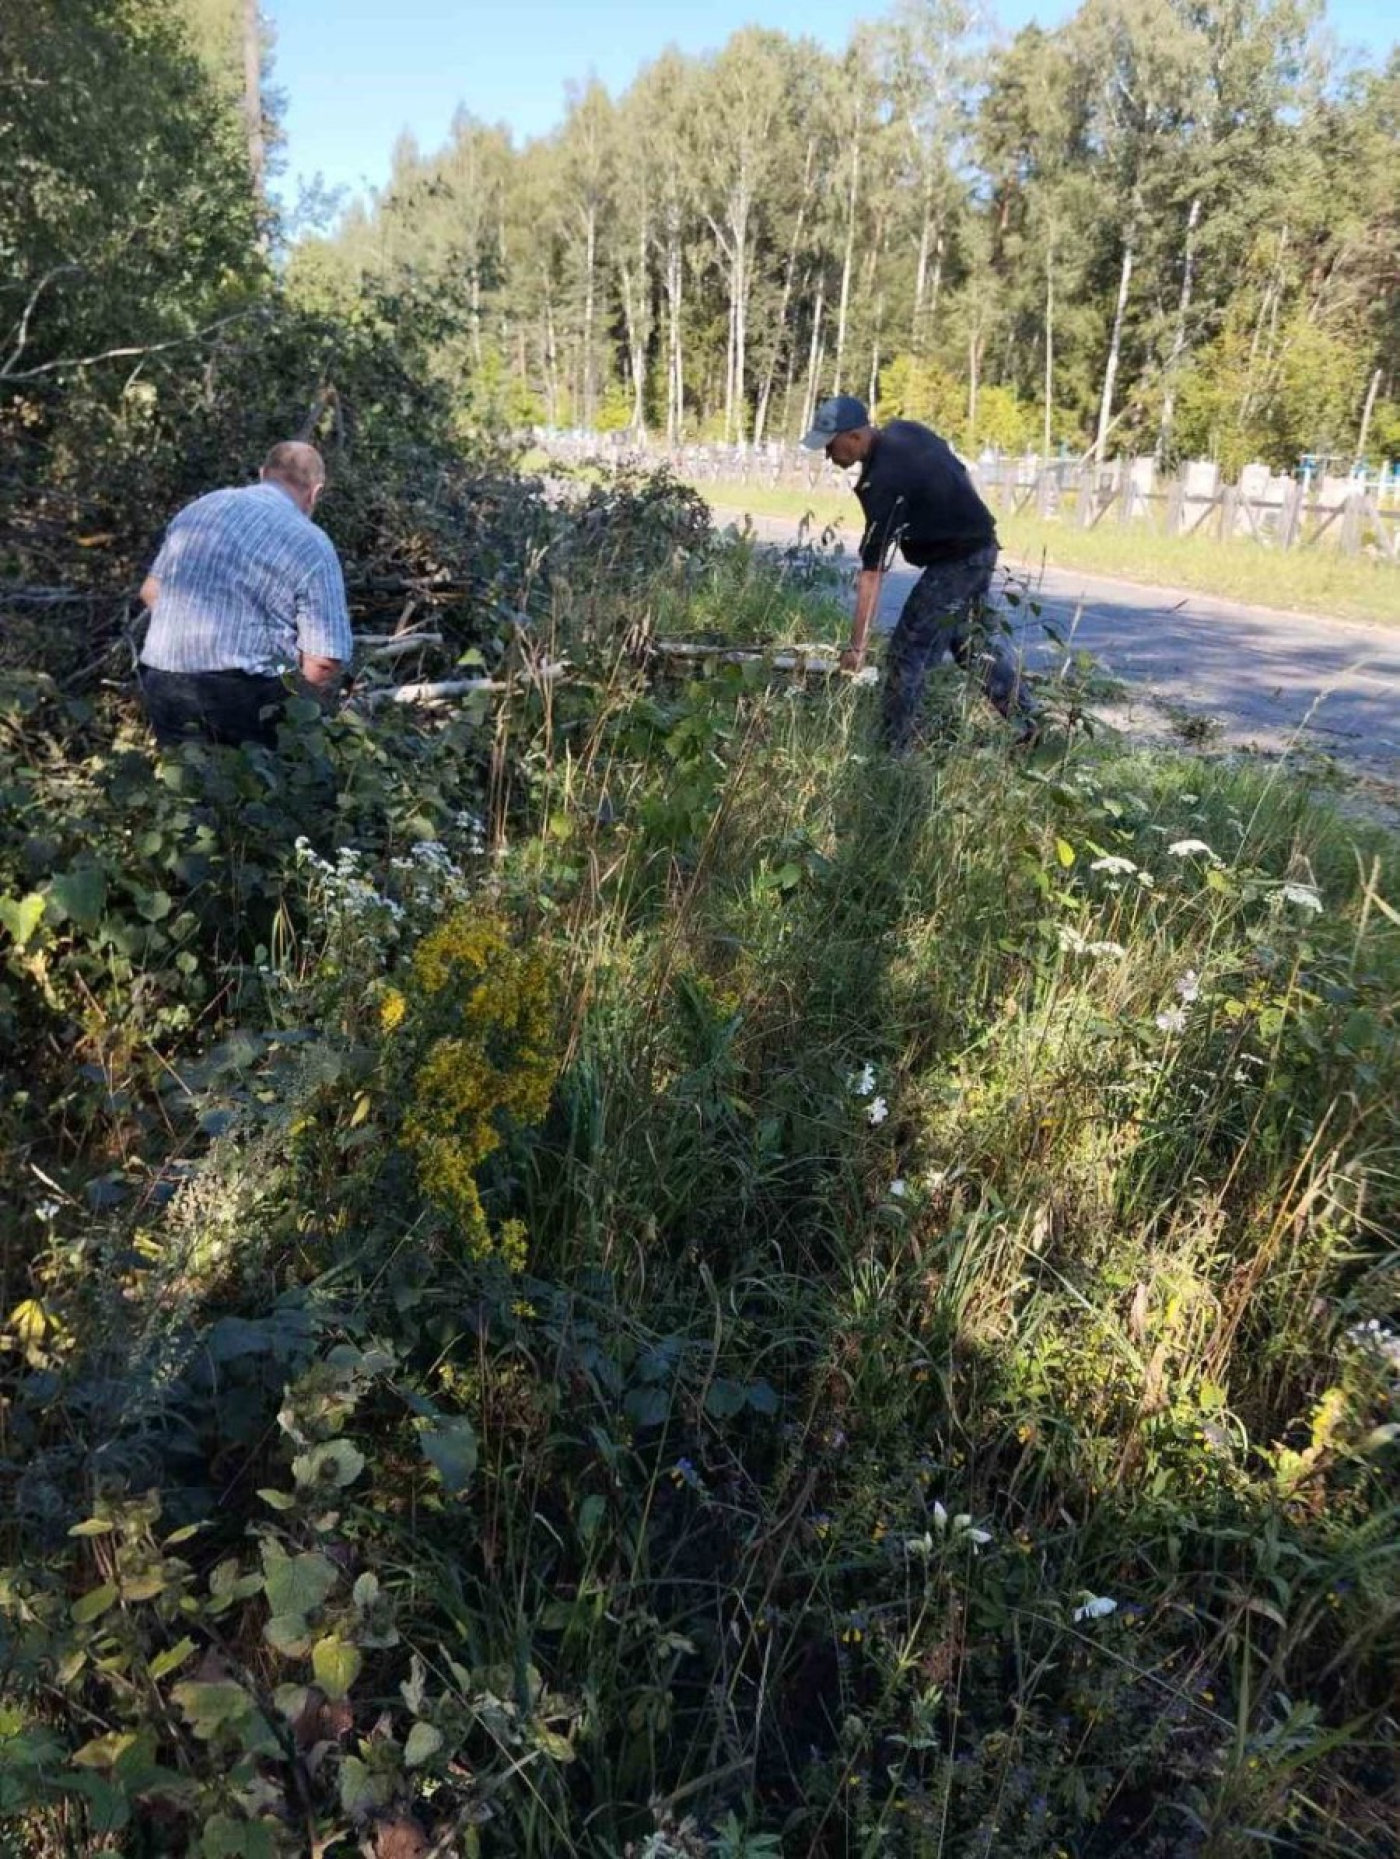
852, 658
323, 678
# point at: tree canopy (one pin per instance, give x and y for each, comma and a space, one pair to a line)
1165, 225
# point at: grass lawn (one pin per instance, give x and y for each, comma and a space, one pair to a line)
1319, 581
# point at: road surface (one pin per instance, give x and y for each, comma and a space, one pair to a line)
1263, 679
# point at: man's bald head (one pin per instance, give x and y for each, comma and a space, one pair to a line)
299, 467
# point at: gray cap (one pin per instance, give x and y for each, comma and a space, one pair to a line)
842, 413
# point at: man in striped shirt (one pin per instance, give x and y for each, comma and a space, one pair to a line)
245, 588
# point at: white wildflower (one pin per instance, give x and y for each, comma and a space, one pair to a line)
862, 1083
899, 1188
1095, 1607
878, 1111
868, 674
1189, 986
959, 1528
1113, 865
1304, 895
1173, 1020
48, 1211
1074, 944
1186, 848
1376, 1339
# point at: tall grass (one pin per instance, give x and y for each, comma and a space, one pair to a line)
1319, 580
935, 1417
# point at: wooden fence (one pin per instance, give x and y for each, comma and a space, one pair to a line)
1356, 515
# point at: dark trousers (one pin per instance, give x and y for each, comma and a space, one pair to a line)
941, 615
227, 707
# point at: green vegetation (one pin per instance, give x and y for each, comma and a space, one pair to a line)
1161, 228
656, 1272
601, 1270
1321, 581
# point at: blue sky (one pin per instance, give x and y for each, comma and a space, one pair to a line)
358, 72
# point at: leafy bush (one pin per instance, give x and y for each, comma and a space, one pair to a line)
933, 1393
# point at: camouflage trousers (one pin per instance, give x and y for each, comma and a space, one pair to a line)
943, 614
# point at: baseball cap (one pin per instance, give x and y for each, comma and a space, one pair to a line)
842, 413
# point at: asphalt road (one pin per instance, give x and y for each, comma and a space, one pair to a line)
1256, 677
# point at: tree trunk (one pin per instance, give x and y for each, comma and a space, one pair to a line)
476, 317
1178, 348
1366, 412
1049, 344
974, 356
916, 327
1110, 373
760, 421
676, 293
936, 286
252, 99
813, 358
590, 260
551, 358
852, 197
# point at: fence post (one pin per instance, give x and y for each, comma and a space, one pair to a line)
1229, 497
1351, 526
1175, 497
1290, 516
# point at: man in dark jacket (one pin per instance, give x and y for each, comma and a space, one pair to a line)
917, 496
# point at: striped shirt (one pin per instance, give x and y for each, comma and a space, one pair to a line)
246, 582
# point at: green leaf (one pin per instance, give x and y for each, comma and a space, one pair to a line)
165, 1663
93, 1526
329, 1467
647, 1407
277, 1500
423, 1741
80, 895
725, 1398
450, 1445
92, 1605
590, 1514
360, 1789
226, 1838
336, 1665
553, 1744
296, 1584
21, 915
763, 1397
104, 1752
1064, 852
211, 1705
366, 1590
288, 1633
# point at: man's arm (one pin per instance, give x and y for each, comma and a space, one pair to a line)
867, 606
323, 631
150, 589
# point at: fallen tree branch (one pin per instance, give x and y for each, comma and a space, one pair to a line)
22, 327
152, 348
391, 645
448, 688
818, 658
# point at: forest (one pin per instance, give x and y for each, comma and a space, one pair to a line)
590, 1265
1162, 227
